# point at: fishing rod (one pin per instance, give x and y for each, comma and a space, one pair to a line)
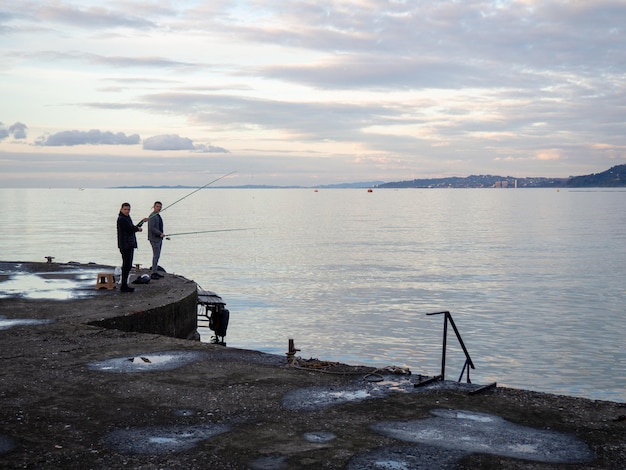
195, 191
206, 231
186, 196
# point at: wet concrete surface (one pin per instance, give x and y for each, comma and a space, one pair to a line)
76, 395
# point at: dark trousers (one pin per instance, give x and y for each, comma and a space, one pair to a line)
127, 264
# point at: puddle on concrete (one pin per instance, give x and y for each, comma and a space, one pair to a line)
471, 432
161, 440
7, 444
441, 441
270, 462
316, 398
401, 385
6, 323
406, 458
64, 285
319, 437
165, 360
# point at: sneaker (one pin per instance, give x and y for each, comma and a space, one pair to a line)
155, 276
127, 289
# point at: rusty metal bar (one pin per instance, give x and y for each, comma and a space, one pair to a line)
483, 388
436, 378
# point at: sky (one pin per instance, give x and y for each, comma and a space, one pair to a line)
308, 92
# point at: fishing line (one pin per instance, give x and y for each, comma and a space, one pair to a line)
207, 231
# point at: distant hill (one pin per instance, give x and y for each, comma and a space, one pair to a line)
612, 178
364, 184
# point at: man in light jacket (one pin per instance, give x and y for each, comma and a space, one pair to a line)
155, 236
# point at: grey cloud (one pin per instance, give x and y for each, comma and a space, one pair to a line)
383, 72
202, 148
512, 124
120, 61
474, 42
556, 70
92, 137
17, 130
232, 112
90, 17
175, 142
481, 33
109, 61
168, 142
313, 121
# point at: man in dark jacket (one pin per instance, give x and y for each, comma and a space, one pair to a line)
127, 242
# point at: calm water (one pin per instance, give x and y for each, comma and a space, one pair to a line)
534, 278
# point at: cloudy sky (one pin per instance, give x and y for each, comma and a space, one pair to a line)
308, 92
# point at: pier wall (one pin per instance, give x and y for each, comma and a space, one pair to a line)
177, 319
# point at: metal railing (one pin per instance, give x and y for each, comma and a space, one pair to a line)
468, 359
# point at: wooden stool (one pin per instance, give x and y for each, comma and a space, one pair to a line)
105, 281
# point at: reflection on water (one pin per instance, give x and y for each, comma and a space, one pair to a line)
533, 278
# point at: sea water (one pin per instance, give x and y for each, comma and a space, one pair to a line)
534, 279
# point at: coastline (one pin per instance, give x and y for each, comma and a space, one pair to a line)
61, 407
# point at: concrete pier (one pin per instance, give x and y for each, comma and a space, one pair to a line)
99, 379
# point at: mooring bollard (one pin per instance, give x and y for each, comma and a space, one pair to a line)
291, 353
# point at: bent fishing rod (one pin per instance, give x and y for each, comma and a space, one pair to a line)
186, 196
167, 237
196, 190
